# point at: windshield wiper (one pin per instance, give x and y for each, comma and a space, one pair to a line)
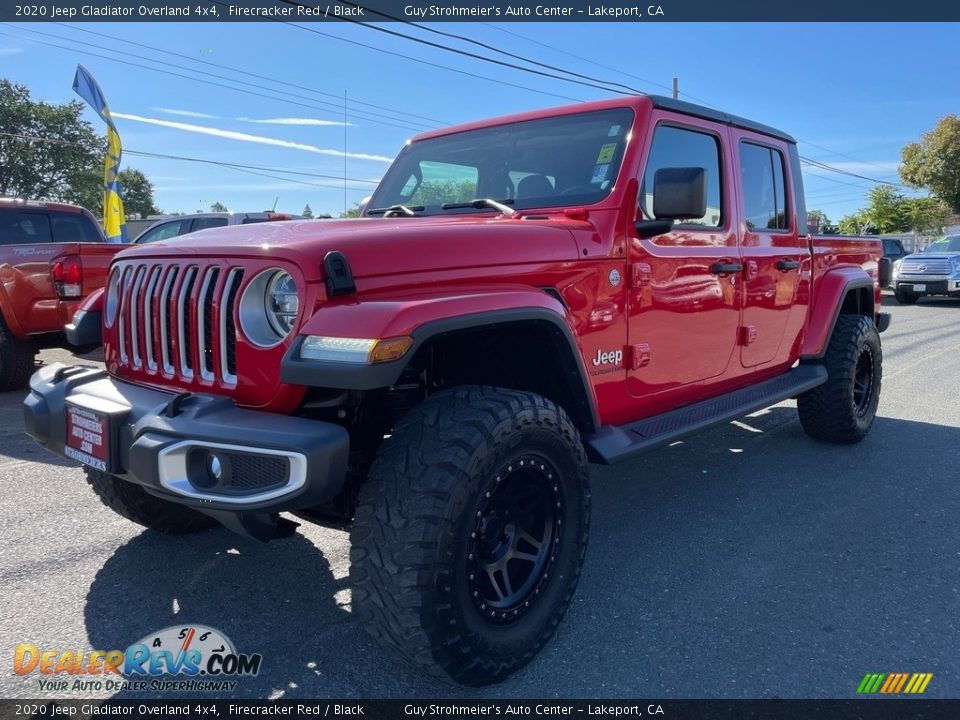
480, 203
397, 210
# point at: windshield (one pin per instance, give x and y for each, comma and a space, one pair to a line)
951, 243
553, 162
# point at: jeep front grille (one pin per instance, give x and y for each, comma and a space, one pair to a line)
176, 320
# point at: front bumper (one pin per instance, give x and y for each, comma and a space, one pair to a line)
159, 440
932, 284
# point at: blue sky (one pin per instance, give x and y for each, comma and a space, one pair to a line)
854, 94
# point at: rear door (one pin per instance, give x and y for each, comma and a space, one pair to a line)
775, 255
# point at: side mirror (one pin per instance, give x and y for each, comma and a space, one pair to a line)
363, 205
678, 194
885, 272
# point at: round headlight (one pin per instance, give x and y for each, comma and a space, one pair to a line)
282, 303
112, 301
268, 307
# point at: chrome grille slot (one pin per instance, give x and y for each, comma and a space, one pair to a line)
166, 337
228, 328
184, 336
918, 266
205, 322
149, 298
122, 313
135, 316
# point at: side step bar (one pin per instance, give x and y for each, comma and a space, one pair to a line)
616, 443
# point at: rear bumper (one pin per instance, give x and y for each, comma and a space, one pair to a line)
85, 330
268, 463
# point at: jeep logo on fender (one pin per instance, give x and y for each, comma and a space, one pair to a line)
606, 358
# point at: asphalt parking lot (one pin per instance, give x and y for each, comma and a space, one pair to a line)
749, 561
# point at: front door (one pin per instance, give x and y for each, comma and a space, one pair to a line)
774, 254
684, 297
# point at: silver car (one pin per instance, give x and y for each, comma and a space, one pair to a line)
935, 270
172, 227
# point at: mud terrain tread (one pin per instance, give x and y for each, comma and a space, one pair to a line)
826, 412
16, 360
402, 510
134, 503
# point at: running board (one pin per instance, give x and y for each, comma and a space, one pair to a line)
615, 443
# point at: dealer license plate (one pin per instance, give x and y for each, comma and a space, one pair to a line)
88, 437
919, 288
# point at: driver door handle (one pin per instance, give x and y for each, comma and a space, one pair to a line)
726, 268
785, 265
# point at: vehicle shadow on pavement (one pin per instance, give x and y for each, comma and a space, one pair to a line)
748, 561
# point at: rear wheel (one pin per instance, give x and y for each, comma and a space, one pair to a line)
136, 504
906, 298
470, 532
16, 360
842, 410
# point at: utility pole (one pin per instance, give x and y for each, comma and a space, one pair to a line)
344, 151
676, 88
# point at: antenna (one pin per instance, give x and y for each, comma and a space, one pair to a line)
344, 151
275, 201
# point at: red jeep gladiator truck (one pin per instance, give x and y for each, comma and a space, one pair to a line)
521, 296
52, 255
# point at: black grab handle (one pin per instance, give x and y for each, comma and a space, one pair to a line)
721, 268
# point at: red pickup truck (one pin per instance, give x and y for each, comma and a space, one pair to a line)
52, 255
521, 295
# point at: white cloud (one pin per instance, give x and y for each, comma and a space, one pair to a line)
245, 137
185, 113
296, 121
7, 51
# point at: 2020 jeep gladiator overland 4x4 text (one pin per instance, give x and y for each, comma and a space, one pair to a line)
521, 295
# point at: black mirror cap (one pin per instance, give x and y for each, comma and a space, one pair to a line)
680, 193
885, 272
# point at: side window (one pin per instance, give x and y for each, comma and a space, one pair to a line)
161, 232
675, 147
764, 188
72, 227
204, 223
23, 228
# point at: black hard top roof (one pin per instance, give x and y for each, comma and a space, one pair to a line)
706, 113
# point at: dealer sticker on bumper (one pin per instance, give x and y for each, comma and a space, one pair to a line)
88, 437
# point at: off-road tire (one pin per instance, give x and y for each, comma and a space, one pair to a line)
417, 518
838, 411
136, 504
16, 360
906, 298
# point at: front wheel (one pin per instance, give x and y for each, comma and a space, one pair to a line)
906, 298
842, 410
470, 532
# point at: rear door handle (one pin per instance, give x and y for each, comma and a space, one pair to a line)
785, 265
724, 268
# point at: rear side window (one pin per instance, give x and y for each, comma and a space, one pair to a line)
205, 223
764, 188
73, 227
675, 147
19, 227
161, 232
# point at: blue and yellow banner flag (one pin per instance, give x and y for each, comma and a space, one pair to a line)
114, 220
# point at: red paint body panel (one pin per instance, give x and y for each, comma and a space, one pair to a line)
28, 300
621, 294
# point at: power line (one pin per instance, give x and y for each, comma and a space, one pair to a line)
273, 80
192, 77
825, 166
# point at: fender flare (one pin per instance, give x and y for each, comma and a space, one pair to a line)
830, 294
328, 374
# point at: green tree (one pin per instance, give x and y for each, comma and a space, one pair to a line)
887, 211
817, 218
307, 212
925, 214
353, 212
137, 192
434, 192
50, 151
856, 224
218, 207
934, 162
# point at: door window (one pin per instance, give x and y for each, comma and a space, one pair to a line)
162, 232
73, 227
23, 228
764, 188
675, 147
209, 222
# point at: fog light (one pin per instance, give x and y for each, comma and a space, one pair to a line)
214, 467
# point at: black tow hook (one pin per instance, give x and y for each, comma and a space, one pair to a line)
173, 407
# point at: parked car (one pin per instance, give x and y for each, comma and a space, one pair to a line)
182, 224
438, 372
935, 270
52, 255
